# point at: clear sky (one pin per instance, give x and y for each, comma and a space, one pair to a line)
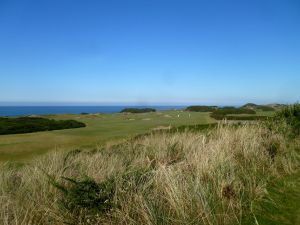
149, 51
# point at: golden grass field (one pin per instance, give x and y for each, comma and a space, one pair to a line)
217, 177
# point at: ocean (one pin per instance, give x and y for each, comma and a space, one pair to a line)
48, 110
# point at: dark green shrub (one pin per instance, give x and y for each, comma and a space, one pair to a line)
198, 108
85, 198
265, 108
232, 110
138, 110
33, 124
228, 108
222, 113
291, 115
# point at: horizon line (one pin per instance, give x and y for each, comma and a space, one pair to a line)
124, 104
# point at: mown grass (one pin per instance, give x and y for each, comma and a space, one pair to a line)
212, 175
282, 204
101, 129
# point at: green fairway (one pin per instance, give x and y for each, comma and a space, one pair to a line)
101, 129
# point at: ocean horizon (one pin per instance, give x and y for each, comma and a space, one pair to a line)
50, 110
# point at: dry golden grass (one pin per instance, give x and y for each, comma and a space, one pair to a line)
182, 178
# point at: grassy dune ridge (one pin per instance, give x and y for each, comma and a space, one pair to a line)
190, 177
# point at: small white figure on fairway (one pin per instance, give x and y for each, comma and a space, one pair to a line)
178, 115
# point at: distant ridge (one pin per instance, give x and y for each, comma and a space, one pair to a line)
269, 107
250, 106
277, 105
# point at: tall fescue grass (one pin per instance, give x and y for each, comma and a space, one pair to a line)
167, 178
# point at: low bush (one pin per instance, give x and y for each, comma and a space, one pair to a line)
201, 108
232, 110
84, 199
138, 110
222, 113
33, 124
265, 108
291, 116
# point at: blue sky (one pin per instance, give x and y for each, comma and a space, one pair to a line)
149, 52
